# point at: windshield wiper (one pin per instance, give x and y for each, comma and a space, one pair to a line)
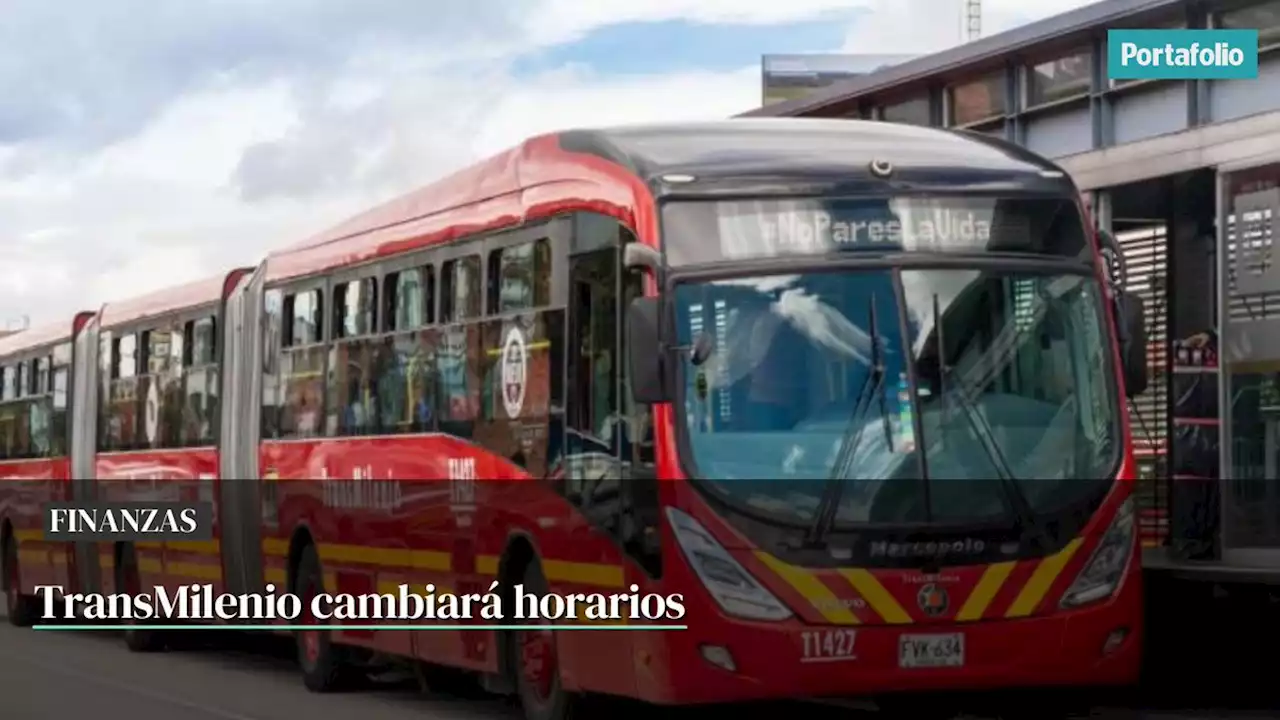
985, 434
871, 389
1013, 492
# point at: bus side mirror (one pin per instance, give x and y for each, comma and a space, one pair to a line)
644, 350
1131, 318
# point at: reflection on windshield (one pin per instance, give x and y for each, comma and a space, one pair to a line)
774, 401
1023, 362
1024, 388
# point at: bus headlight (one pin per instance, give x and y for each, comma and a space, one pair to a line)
1104, 572
734, 589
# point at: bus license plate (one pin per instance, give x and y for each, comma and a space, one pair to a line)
927, 651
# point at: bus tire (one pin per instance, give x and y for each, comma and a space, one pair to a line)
535, 662
23, 610
129, 580
322, 663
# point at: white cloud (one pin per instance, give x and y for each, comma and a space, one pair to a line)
247, 159
560, 20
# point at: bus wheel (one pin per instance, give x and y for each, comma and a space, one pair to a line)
129, 580
323, 669
536, 662
22, 609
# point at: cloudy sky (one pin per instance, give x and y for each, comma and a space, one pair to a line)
145, 143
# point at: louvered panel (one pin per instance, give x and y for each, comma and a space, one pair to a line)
1147, 256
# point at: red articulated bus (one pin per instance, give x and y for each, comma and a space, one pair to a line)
35, 459
855, 390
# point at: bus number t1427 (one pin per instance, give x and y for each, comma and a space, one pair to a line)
827, 645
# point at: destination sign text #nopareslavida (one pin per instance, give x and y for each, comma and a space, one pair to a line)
816, 230
698, 232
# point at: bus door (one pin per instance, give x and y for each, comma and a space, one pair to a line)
608, 475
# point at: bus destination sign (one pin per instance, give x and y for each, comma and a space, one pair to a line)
717, 231
819, 230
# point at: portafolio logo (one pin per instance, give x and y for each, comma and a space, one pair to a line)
1182, 54
128, 521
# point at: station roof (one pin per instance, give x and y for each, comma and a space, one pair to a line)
1090, 18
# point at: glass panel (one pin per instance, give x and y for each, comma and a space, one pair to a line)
355, 305
978, 100
306, 324
128, 357
204, 342
1012, 372
912, 112
461, 296
519, 277
408, 302
1251, 357
1066, 77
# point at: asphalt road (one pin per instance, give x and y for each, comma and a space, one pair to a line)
55, 676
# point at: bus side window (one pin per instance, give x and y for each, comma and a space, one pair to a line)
404, 360
171, 400
20, 446
351, 390
200, 383
39, 409
302, 361
460, 292
59, 386
23, 383
460, 355
6, 418
124, 386
520, 277
155, 389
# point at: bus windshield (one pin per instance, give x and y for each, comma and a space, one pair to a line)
1012, 382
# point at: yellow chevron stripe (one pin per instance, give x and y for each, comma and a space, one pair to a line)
984, 592
876, 596
1041, 580
813, 590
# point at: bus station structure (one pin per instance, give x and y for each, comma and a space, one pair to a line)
1186, 175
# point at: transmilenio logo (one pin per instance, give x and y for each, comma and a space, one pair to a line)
1182, 54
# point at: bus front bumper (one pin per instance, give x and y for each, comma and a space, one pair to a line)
731, 661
